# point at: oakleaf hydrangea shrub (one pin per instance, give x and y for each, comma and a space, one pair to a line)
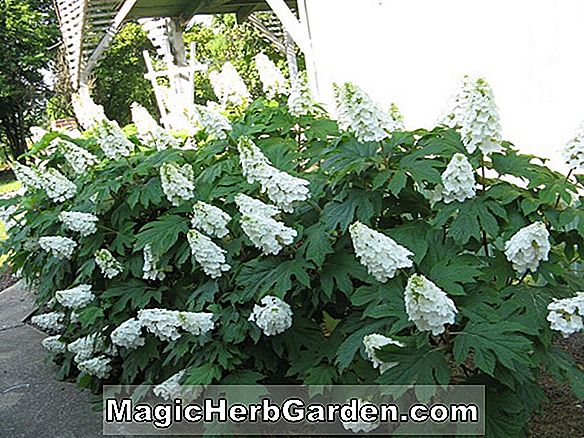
279, 247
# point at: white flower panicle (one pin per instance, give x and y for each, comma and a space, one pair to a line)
57, 186
210, 256
128, 334
360, 425
427, 306
210, 219
107, 264
273, 316
573, 151
75, 297
87, 112
380, 254
165, 323
8, 217
177, 182
171, 388
51, 322
85, 347
78, 158
475, 112
229, 87
28, 177
58, 246
150, 269
458, 180
358, 114
112, 140
397, 117
566, 315
282, 188
208, 118
149, 131
273, 81
375, 341
83, 223
98, 366
300, 102
528, 247
263, 230
54, 345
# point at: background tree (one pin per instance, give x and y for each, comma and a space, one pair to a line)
28, 37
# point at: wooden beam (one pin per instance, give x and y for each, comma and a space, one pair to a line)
244, 12
291, 24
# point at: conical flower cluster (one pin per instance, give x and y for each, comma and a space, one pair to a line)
380, 254
107, 264
57, 186
375, 341
58, 246
86, 111
427, 306
112, 140
229, 87
210, 256
78, 158
128, 334
53, 344
282, 188
300, 102
210, 219
528, 247
273, 81
76, 297
28, 177
208, 118
475, 112
165, 323
51, 322
171, 389
273, 316
149, 131
177, 182
458, 180
358, 114
98, 366
573, 151
150, 269
567, 315
83, 223
258, 223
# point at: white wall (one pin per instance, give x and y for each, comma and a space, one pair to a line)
414, 52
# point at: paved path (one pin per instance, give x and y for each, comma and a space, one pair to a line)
32, 403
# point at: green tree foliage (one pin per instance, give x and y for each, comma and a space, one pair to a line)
28, 37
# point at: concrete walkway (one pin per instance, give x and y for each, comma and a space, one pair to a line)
32, 403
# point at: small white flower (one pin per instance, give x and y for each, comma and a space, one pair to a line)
427, 306
210, 219
60, 247
83, 223
273, 316
177, 182
85, 347
229, 87
528, 247
98, 366
300, 102
263, 230
86, 111
57, 186
78, 158
171, 389
128, 334
458, 180
162, 323
51, 322
380, 254
475, 112
150, 269
28, 177
566, 315
375, 341
54, 345
273, 81
196, 323
112, 140
75, 297
573, 151
210, 256
358, 114
282, 188
149, 131
360, 425
209, 119
107, 264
